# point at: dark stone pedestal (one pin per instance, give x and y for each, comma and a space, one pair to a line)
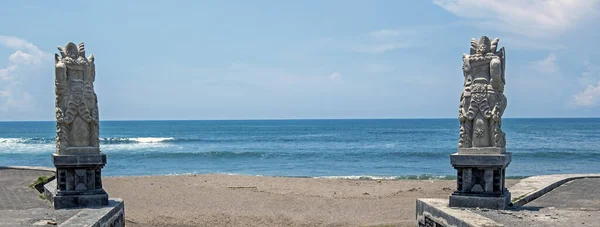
78, 181
480, 178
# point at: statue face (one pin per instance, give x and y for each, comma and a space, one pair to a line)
466, 66
73, 55
77, 92
482, 49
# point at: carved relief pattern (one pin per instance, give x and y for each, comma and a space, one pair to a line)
76, 101
482, 101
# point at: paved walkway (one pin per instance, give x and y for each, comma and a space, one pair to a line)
15, 193
540, 201
582, 194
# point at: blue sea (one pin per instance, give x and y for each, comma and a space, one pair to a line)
379, 148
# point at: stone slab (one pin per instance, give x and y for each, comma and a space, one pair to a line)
496, 203
80, 150
580, 194
111, 215
78, 160
575, 203
438, 211
20, 211
533, 187
479, 160
41, 168
482, 150
15, 193
68, 201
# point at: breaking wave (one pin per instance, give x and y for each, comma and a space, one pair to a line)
112, 140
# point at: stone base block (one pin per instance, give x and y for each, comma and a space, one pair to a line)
60, 201
497, 203
436, 213
69, 201
499, 160
73, 161
111, 215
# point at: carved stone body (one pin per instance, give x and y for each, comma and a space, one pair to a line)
481, 159
76, 102
482, 101
78, 158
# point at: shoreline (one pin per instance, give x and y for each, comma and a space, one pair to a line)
242, 200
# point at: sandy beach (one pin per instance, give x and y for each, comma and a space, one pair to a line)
234, 200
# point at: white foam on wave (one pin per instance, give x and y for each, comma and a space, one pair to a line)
359, 177
407, 177
151, 139
12, 140
21, 148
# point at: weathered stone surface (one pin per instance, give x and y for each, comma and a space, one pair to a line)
76, 101
474, 160
532, 188
482, 101
21, 205
492, 202
435, 212
78, 158
15, 193
482, 158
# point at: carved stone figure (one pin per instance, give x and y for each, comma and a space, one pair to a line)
78, 158
481, 159
76, 102
482, 101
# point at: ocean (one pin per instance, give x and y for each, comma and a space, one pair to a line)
378, 148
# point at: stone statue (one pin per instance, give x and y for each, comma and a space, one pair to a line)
482, 101
76, 102
78, 158
482, 159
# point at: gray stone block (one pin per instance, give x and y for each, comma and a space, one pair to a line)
78, 160
113, 215
70, 201
435, 212
482, 150
61, 200
481, 201
479, 160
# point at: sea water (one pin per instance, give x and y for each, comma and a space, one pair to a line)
378, 148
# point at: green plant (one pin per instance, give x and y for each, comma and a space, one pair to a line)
40, 180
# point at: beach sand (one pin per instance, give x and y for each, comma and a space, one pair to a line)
234, 200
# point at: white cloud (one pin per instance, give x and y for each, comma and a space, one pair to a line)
335, 76
590, 76
590, 81
13, 96
384, 40
588, 97
532, 18
547, 65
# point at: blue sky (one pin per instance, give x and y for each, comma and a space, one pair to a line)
300, 59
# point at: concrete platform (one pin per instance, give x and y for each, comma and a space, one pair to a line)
21, 205
551, 200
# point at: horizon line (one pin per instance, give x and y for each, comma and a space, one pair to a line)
284, 119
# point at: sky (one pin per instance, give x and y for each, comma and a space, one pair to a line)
196, 60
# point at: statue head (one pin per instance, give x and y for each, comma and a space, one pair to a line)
72, 54
71, 51
483, 47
